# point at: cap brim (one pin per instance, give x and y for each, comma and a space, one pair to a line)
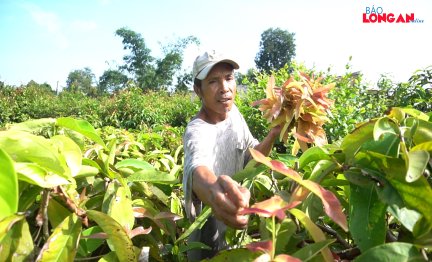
204, 72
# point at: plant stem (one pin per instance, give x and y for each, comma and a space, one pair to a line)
273, 251
44, 206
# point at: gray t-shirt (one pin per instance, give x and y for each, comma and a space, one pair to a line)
223, 148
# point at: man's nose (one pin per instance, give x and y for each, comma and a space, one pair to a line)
225, 86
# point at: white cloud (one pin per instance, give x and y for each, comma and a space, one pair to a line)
84, 26
48, 21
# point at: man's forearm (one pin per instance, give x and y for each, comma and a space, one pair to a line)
203, 178
266, 145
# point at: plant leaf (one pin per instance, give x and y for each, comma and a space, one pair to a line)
274, 206
7, 223
81, 126
134, 163
352, 142
418, 161
384, 126
313, 154
314, 231
25, 147
56, 212
367, 222
63, 242
238, 254
153, 176
120, 208
8, 186
198, 223
310, 251
331, 204
71, 152
34, 174
17, 245
116, 234
395, 252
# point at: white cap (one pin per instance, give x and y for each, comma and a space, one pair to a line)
205, 62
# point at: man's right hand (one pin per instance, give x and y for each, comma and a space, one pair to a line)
227, 198
224, 195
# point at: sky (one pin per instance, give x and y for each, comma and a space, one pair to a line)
47, 39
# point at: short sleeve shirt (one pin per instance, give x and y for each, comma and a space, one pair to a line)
222, 147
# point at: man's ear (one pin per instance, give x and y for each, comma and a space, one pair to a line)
197, 90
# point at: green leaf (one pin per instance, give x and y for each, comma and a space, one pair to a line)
355, 140
418, 161
56, 212
120, 208
416, 195
313, 154
384, 126
87, 171
88, 245
63, 242
355, 176
286, 231
395, 252
116, 234
17, 245
7, 223
407, 217
34, 174
154, 176
8, 186
322, 169
314, 231
192, 245
426, 146
239, 254
34, 126
70, 151
25, 147
311, 250
250, 171
81, 126
198, 223
134, 163
415, 113
367, 217
388, 145
423, 131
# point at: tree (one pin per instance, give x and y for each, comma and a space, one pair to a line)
277, 48
81, 80
111, 81
149, 72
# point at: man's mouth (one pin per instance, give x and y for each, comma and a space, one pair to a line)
224, 100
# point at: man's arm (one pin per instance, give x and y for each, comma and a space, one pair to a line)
266, 145
225, 196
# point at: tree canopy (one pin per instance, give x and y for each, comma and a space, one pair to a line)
277, 48
149, 72
81, 80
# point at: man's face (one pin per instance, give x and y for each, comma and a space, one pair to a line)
218, 92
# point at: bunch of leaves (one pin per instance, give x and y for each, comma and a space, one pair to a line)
377, 178
72, 194
300, 107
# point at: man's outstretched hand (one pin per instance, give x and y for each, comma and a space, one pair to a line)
227, 198
224, 195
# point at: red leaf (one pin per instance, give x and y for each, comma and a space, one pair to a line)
274, 206
265, 246
331, 204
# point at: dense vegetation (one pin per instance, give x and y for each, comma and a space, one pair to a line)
99, 177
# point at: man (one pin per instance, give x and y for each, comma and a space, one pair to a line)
216, 144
